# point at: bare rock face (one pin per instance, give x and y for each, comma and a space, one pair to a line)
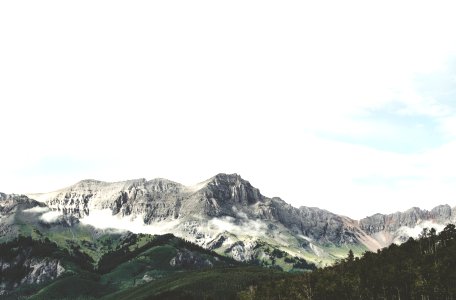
41, 270
24, 269
10, 206
227, 203
11, 203
224, 213
157, 198
317, 224
400, 226
224, 195
390, 223
230, 189
186, 259
242, 251
442, 213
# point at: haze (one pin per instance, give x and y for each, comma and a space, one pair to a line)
347, 106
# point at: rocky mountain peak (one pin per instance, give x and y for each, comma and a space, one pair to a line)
9, 202
163, 185
227, 202
226, 178
10, 206
441, 212
231, 188
409, 218
89, 182
92, 184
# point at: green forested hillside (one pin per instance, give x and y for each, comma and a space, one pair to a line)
418, 269
136, 260
74, 261
65, 259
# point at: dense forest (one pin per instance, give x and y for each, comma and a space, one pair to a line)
424, 268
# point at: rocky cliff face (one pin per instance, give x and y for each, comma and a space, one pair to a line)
410, 218
10, 206
224, 195
20, 266
399, 226
156, 199
227, 214
11, 203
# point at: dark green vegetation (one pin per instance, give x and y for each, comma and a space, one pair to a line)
103, 265
219, 283
136, 260
67, 260
138, 267
73, 261
418, 269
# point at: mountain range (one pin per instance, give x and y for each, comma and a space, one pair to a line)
159, 239
228, 215
57, 257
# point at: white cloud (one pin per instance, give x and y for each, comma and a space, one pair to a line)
245, 228
51, 217
37, 209
104, 219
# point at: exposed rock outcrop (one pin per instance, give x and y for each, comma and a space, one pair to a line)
224, 195
23, 269
227, 203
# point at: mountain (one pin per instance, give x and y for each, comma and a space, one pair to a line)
224, 213
399, 226
114, 239
45, 255
228, 215
10, 205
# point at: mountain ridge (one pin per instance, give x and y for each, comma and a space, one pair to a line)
226, 203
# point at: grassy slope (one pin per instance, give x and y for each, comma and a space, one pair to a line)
80, 286
222, 283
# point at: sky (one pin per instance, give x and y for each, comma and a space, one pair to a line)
348, 106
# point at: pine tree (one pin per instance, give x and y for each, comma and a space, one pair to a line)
351, 256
